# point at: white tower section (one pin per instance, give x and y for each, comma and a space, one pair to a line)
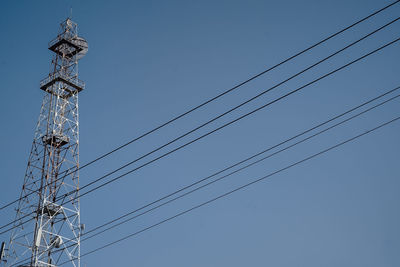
47, 228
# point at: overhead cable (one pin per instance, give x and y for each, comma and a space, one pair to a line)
215, 130
72, 170
236, 189
229, 174
224, 125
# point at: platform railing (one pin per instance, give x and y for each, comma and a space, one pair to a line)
59, 75
67, 36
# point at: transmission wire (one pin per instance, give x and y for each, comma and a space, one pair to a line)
227, 124
238, 188
212, 99
227, 175
217, 129
238, 163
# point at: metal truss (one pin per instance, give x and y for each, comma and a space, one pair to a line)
47, 226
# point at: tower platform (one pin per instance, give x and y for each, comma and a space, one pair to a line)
64, 47
55, 140
75, 83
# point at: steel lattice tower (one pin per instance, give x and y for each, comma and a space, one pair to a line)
47, 228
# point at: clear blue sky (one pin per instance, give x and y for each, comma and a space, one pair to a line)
149, 61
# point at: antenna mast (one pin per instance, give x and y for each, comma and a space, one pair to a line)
47, 225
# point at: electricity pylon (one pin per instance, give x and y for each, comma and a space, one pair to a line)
47, 226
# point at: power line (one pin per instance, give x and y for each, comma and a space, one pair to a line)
238, 188
229, 174
244, 167
221, 127
240, 162
242, 104
229, 123
17, 220
72, 170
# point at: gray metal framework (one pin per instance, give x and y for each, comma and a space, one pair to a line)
47, 226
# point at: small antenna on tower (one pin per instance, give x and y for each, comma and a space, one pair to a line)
70, 12
2, 251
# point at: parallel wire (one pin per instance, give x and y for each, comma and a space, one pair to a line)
199, 107
237, 189
221, 127
233, 172
73, 170
240, 105
229, 123
238, 163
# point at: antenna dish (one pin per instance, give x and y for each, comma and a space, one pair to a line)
82, 44
57, 241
